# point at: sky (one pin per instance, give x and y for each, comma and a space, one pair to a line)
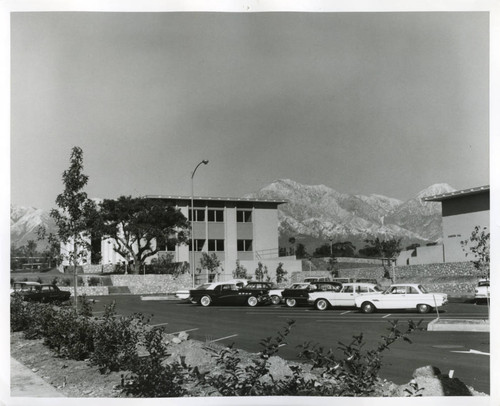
385, 103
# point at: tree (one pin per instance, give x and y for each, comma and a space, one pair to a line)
212, 263
324, 251
300, 251
261, 272
280, 273
240, 272
478, 244
343, 249
140, 227
387, 250
75, 216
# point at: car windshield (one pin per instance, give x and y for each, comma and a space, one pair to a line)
299, 286
377, 288
422, 289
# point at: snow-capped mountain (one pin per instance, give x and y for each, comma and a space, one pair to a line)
24, 223
324, 214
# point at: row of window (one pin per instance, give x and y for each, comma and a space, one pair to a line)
217, 216
213, 245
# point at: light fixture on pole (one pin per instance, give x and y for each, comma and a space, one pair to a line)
205, 161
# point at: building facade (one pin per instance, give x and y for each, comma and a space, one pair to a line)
462, 211
234, 229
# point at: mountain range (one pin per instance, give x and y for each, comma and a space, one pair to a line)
313, 214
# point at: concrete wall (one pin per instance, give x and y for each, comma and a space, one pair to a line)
421, 255
458, 228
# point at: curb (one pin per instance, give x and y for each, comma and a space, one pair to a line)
26, 383
478, 326
160, 297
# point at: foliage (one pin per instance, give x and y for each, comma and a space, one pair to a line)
76, 215
300, 251
478, 244
116, 340
239, 380
211, 263
261, 272
140, 227
387, 250
324, 250
343, 249
94, 281
151, 376
240, 272
356, 373
332, 267
280, 273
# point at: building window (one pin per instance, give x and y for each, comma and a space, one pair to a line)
244, 245
199, 215
198, 245
215, 216
215, 245
243, 216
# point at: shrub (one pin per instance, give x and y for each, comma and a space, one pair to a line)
151, 376
22, 314
116, 340
66, 282
280, 273
94, 281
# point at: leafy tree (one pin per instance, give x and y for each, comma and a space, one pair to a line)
139, 227
324, 251
76, 214
387, 250
280, 273
478, 244
300, 251
261, 272
343, 249
240, 272
210, 262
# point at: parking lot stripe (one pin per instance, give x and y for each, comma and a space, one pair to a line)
345, 312
387, 315
160, 324
184, 331
223, 338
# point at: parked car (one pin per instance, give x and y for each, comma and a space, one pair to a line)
274, 290
229, 293
40, 292
298, 294
322, 300
401, 296
183, 294
482, 290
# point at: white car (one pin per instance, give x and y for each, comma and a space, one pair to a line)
183, 294
344, 298
402, 296
482, 290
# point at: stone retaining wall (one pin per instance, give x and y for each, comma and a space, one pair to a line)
86, 290
144, 284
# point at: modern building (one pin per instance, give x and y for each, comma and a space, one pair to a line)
234, 229
462, 211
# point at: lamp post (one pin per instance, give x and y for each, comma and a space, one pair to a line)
205, 161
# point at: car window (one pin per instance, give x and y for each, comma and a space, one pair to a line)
422, 289
362, 289
484, 283
204, 286
227, 287
412, 290
348, 289
398, 290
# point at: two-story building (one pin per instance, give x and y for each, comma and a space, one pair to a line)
234, 229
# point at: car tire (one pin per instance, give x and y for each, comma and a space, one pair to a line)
205, 301
252, 301
423, 308
321, 304
367, 307
290, 302
275, 299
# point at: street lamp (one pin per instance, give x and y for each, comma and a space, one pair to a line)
205, 161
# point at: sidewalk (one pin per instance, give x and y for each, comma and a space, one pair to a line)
25, 383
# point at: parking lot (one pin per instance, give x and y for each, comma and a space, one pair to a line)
464, 353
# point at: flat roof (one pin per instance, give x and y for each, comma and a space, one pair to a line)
458, 193
216, 199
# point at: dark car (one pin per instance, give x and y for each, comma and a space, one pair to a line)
40, 292
229, 293
298, 294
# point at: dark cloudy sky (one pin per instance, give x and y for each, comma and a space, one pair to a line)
386, 103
